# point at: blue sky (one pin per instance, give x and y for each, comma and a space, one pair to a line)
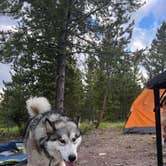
147, 20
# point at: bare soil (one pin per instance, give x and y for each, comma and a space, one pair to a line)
110, 147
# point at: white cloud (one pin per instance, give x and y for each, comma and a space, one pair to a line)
137, 45
1, 91
4, 74
6, 27
142, 37
159, 10
7, 23
144, 10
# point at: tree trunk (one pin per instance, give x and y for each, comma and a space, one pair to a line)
106, 89
102, 112
61, 61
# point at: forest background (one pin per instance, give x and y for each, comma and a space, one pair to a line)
76, 54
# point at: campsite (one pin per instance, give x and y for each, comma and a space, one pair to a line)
111, 147
83, 82
119, 146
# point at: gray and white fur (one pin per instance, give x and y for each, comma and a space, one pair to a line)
51, 139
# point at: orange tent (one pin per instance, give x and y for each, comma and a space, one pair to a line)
142, 116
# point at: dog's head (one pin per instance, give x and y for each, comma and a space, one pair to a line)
63, 137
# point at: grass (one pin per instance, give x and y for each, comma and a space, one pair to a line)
119, 124
9, 131
86, 127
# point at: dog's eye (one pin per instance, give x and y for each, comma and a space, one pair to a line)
77, 135
62, 141
73, 139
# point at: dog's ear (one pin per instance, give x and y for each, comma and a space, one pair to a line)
49, 126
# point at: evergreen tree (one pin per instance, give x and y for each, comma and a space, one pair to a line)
13, 106
109, 94
50, 31
49, 35
154, 58
113, 68
74, 91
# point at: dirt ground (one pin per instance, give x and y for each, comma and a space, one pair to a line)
110, 147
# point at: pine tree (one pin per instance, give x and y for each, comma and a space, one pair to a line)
113, 68
74, 91
48, 36
154, 59
50, 31
13, 106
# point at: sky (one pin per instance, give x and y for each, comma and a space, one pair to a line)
147, 20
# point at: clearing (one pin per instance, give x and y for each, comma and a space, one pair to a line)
110, 147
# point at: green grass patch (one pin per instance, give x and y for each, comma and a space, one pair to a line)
118, 124
105, 125
86, 127
9, 131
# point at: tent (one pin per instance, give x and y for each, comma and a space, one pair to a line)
156, 84
156, 89
142, 116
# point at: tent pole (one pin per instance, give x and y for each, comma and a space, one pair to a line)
158, 126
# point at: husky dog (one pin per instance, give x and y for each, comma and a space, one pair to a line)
51, 139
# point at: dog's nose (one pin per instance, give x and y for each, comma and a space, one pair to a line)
72, 157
